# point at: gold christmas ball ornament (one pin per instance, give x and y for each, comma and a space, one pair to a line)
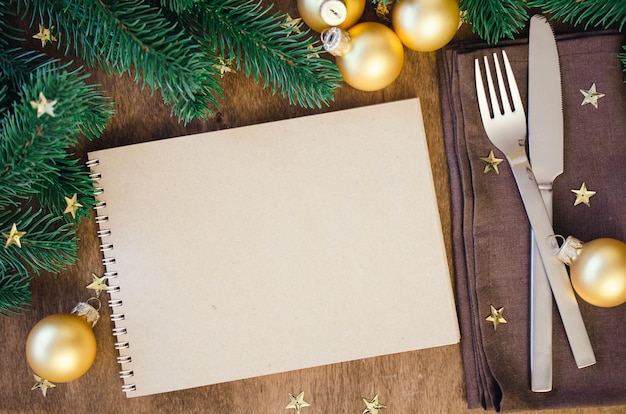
597, 270
322, 14
426, 25
62, 347
369, 56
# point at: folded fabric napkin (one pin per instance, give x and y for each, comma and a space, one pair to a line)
491, 231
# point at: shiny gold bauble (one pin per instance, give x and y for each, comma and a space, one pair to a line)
313, 13
61, 347
375, 57
598, 273
425, 25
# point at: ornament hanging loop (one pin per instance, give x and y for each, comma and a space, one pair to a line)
89, 312
336, 41
570, 250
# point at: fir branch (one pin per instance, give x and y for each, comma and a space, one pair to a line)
133, 37
622, 57
178, 6
15, 294
269, 50
495, 19
33, 150
50, 244
591, 13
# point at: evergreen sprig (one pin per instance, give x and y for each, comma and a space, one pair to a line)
136, 38
14, 292
494, 20
268, 47
34, 150
590, 13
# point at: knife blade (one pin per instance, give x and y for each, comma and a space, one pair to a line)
545, 145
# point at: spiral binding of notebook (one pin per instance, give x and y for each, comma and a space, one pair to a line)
116, 305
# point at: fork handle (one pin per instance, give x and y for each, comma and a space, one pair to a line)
555, 269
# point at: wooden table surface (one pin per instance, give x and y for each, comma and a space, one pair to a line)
425, 381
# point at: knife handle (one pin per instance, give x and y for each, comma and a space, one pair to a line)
540, 313
555, 269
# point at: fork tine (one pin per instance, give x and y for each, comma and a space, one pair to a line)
483, 105
515, 96
506, 105
495, 106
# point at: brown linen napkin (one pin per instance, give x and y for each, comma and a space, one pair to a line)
491, 232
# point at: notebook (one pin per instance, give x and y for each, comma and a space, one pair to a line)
274, 247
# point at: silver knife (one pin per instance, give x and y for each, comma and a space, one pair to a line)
545, 144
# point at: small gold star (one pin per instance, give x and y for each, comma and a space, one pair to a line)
591, 96
45, 35
314, 55
293, 25
297, 403
372, 406
224, 67
99, 284
13, 237
496, 317
72, 205
583, 195
42, 384
44, 106
491, 163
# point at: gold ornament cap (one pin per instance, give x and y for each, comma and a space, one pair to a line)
336, 41
333, 12
570, 250
87, 312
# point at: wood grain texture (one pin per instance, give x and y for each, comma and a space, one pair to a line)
426, 381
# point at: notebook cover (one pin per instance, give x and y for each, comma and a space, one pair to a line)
274, 247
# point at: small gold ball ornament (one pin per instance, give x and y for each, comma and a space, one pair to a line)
426, 25
597, 270
61, 347
369, 55
322, 14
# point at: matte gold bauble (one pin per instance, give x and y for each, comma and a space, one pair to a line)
322, 14
425, 25
61, 347
598, 270
369, 55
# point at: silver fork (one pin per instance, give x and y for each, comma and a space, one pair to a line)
505, 126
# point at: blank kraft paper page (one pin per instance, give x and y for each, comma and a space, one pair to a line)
275, 247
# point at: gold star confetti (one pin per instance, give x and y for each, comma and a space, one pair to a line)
72, 205
293, 25
43, 106
224, 67
583, 195
496, 317
591, 96
491, 163
313, 55
45, 35
372, 406
13, 237
42, 384
297, 403
99, 284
